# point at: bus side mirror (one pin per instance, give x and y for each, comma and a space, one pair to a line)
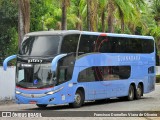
5, 62
55, 61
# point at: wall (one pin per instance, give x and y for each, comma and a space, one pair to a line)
7, 83
157, 70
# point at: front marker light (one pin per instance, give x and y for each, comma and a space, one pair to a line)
17, 92
52, 92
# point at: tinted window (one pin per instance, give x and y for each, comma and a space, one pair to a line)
40, 45
105, 44
147, 46
126, 45
104, 73
65, 68
87, 43
151, 69
69, 43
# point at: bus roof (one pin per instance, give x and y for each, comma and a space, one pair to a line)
65, 32
53, 32
117, 35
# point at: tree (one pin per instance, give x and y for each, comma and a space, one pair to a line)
92, 6
155, 28
38, 10
120, 16
156, 11
78, 8
111, 10
23, 18
124, 12
65, 4
102, 10
8, 25
88, 15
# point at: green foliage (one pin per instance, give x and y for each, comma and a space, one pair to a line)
8, 26
38, 9
130, 16
11, 47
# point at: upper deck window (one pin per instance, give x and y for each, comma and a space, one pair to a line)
69, 43
107, 44
87, 43
40, 45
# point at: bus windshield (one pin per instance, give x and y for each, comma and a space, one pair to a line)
35, 76
40, 45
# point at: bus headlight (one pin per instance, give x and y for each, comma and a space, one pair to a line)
17, 92
54, 91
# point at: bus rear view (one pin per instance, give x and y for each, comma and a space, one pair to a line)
71, 67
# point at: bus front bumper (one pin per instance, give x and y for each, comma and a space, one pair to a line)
47, 99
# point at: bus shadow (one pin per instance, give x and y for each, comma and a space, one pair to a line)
87, 104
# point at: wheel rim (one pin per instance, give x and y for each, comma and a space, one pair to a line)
131, 93
77, 98
139, 91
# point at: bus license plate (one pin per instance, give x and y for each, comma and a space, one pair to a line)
32, 102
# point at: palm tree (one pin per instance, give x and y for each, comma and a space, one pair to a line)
110, 18
122, 8
155, 28
102, 10
65, 5
126, 10
92, 6
88, 15
23, 18
138, 18
79, 9
156, 11
74, 16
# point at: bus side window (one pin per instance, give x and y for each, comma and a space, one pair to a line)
69, 43
151, 70
116, 72
62, 75
87, 43
148, 46
86, 75
103, 73
21, 75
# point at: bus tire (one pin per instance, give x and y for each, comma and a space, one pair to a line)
78, 99
139, 92
42, 105
130, 96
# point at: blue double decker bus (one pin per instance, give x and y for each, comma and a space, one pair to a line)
60, 67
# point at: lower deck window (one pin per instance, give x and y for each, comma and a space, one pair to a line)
104, 73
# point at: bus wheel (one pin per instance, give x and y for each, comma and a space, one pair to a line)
130, 96
139, 92
41, 105
78, 99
